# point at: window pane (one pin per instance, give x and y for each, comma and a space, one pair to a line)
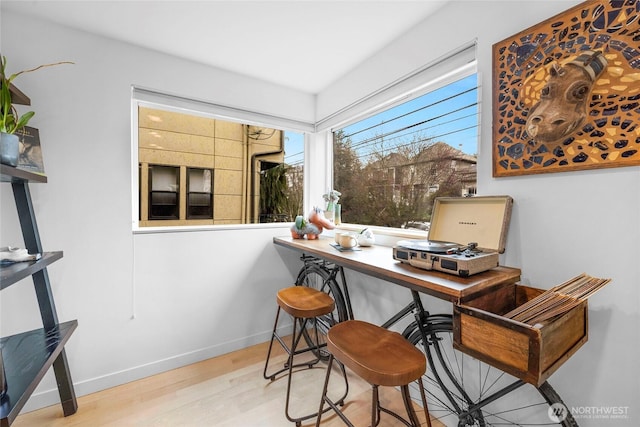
223, 172
281, 184
200, 195
390, 167
164, 183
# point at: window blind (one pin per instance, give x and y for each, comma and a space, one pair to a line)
223, 112
440, 72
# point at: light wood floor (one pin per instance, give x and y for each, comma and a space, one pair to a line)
225, 391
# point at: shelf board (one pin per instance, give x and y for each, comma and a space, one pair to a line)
13, 174
15, 272
27, 357
18, 97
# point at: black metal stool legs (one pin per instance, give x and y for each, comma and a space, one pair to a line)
376, 408
325, 399
425, 409
266, 364
297, 335
406, 398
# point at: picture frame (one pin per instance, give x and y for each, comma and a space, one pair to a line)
30, 150
566, 92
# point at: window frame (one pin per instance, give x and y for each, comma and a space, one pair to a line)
318, 136
454, 66
142, 97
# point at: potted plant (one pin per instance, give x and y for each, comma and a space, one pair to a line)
331, 198
10, 120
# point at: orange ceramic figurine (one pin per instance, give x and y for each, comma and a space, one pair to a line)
311, 228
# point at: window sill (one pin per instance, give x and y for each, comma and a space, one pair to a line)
385, 236
200, 228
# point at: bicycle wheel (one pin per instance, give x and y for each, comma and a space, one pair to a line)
318, 277
455, 382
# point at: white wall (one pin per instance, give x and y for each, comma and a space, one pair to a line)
563, 224
144, 303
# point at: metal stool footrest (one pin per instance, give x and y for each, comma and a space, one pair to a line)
304, 304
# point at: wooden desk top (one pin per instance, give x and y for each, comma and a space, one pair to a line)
377, 261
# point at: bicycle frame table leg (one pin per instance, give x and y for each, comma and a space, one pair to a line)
502, 392
345, 291
418, 304
434, 334
399, 315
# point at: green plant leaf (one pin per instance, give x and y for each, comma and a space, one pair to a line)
24, 119
10, 121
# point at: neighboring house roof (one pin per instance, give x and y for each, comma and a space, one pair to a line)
444, 150
435, 151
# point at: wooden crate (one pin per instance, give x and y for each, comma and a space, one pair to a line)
531, 353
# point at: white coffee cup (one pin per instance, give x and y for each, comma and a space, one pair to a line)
348, 240
336, 236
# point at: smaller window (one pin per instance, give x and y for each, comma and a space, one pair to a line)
199, 196
164, 182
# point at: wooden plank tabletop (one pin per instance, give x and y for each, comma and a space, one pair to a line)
377, 261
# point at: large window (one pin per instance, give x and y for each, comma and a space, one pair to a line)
390, 166
197, 169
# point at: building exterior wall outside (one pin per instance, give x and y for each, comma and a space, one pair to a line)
233, 151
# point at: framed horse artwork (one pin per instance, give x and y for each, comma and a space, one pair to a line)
566, 92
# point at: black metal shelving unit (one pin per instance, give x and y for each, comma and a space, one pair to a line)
27, 356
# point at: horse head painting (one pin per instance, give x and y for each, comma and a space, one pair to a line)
566, 92
562, 107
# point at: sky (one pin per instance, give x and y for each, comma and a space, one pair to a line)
448, 114
293, 148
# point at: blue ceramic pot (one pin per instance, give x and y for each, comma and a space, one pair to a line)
9, 149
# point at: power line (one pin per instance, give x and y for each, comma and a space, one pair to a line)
382, 151
396, 134
374, 138
413, 111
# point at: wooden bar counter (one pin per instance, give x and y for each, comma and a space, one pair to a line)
377, 261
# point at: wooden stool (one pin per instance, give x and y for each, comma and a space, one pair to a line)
380, 357
304, 304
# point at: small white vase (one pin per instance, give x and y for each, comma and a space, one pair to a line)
329, 212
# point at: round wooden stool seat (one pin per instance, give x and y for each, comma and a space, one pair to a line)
375, 354
304, 302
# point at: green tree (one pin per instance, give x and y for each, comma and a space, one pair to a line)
347, 178
294, 191
273, 186
397, 183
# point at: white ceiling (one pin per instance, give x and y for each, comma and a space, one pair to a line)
302, 44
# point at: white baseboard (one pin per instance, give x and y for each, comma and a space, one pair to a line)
51, 397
